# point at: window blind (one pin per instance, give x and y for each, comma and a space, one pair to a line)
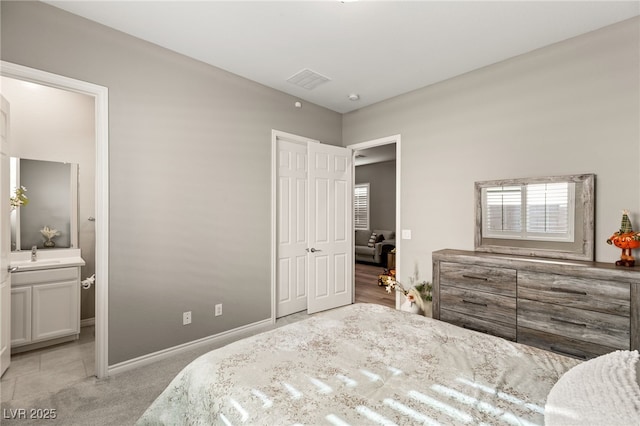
361, 206
534, 211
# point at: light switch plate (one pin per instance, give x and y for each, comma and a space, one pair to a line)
406, 234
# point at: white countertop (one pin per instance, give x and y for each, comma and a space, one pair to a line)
46, 259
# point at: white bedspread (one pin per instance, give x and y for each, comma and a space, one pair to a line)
363, 364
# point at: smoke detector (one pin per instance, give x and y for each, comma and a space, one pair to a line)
354, 97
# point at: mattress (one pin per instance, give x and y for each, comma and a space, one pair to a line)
363, 364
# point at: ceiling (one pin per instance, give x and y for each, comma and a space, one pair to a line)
375, 49
376, 154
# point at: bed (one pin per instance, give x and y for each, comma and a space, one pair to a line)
363, 364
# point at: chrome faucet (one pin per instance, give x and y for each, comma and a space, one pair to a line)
34, 253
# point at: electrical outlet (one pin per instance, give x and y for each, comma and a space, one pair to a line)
219, 309
186, 318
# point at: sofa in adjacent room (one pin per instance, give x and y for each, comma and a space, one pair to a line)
374, 248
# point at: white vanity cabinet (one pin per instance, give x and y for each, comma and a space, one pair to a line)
45, 307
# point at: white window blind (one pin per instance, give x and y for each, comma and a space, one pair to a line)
361, 206
533, 211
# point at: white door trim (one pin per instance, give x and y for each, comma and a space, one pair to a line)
378, 142
101, 96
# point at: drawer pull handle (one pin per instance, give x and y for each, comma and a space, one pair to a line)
475, 277
568, 322
474, 303
577, 355
569, 291
469, 327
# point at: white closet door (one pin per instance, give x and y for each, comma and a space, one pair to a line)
291, 268
5, 231
330, 207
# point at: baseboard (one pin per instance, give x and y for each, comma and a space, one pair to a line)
231, 336
88, 322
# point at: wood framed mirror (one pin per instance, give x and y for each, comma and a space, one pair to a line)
550, 216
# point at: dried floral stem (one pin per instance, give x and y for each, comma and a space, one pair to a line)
419, 294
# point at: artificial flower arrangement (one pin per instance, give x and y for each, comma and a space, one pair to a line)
19, 198
419, 294
49, 233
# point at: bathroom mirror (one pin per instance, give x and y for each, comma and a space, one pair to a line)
551, 216
52, 190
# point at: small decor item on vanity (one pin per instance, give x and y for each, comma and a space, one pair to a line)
19, 198
418, 298
49, 234
625, 239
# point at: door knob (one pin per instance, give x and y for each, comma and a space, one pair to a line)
313, 250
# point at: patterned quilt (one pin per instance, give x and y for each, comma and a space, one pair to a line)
363, 364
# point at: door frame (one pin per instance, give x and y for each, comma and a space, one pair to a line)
101, 97
379, 142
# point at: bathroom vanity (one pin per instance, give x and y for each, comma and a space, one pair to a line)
45, 298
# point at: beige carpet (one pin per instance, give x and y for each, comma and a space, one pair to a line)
117, 400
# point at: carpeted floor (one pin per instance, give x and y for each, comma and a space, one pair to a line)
122, 398
117, 400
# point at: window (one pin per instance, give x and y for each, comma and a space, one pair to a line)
537, 211
361, 206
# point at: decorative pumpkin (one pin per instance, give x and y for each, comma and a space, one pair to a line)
625, 239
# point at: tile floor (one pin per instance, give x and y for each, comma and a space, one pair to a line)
48, 370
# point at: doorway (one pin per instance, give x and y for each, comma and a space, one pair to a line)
379, 156
100, 97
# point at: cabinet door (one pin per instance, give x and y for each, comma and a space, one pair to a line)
20, 315
55, 310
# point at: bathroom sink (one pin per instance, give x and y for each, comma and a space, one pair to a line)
45, 259
38, 262
23, 265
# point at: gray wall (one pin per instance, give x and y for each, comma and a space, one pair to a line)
382, 186
189, 175
568, 108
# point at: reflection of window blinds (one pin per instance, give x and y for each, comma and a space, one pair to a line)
361, 206
546, 216
548, 208
504, 211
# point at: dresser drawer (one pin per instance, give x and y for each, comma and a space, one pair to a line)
562, 345
478, 278
478, 324
588, 326
489, 306
595, 295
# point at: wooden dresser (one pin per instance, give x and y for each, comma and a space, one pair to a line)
579, 309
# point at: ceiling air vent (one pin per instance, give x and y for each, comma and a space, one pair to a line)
308, 79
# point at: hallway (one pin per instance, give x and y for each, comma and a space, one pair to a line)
367, 288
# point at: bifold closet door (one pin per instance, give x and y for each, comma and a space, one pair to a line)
314, 221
